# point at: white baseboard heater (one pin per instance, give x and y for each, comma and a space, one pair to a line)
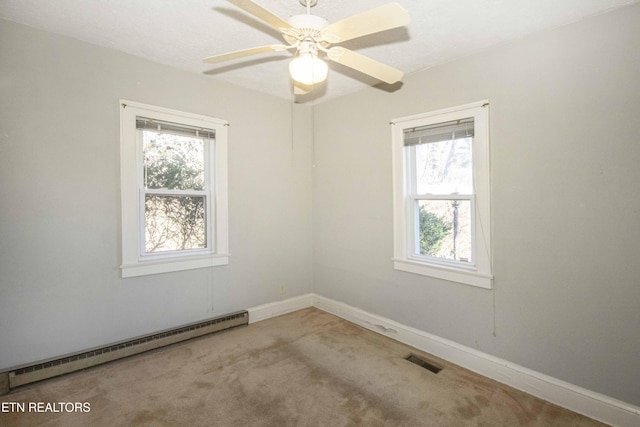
38, 371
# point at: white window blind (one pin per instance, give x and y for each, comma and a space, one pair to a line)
438, 132
145, 123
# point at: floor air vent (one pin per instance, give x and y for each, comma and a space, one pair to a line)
62, 365
423, 363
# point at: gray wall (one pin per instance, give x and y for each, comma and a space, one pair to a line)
565, 153
60, 285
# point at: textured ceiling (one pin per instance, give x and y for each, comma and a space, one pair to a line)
182, 32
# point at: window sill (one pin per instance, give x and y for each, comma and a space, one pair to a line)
466, 277
167, 265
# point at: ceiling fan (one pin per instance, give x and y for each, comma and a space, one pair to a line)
311, 35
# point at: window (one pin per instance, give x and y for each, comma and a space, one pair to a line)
441, 194
174, 190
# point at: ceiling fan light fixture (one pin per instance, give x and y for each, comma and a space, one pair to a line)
308, 69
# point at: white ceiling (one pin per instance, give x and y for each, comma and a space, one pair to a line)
182, 32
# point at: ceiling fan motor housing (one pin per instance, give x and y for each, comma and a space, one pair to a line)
311, 22
305, 28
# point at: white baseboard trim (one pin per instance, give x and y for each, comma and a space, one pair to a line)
594, 405
273, 309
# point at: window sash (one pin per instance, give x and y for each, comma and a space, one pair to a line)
208, 141
413, 219
209, 232
409, 154
413, 197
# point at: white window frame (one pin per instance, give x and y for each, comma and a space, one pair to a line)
134, 260
478, 272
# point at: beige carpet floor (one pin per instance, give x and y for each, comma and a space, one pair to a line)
307, 368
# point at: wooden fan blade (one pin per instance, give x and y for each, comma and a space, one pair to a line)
245, 52
261, 13
385, 17
365, 64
